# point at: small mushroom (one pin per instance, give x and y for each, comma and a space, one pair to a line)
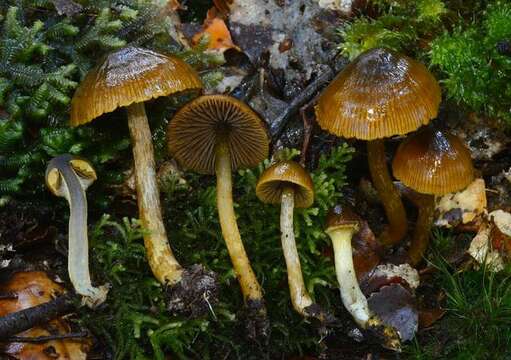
68, 177
431, 162
288, 183
216, 134
380, 94
127, 78
341, 224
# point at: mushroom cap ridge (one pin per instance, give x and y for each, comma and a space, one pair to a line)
197, 128
127, 76
273, 180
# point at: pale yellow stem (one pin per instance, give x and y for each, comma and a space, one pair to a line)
164, 265
352, 297
249, 286
300, 298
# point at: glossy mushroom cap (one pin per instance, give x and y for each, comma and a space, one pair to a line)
342, 217
127, 76
201, 124
380, 94
285, 173
433, 162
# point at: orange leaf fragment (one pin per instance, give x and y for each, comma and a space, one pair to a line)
219, 35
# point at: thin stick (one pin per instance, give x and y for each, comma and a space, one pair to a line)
43, 339
17, 322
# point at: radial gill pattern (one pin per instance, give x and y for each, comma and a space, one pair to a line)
201, 124
127, 76
380, 94
433, 162
280, 175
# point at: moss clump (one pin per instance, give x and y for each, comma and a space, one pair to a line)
43, 57
474, 71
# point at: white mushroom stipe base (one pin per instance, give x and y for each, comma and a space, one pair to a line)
352, 297
299, 295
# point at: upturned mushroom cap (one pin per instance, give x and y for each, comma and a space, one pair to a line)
433, 162
342, 217
202, 123
380, 94
273, 180
84, 170
127, 76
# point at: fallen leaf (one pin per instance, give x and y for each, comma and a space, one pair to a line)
31, 289
175, 5
223, 6
482, 251
500, 233
428, 317
365, 251
397, 307
462, 207
219, 36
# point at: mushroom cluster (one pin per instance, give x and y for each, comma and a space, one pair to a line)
379, 95
127, 78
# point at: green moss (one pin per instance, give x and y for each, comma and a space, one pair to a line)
474, 72
43, 57
477, 324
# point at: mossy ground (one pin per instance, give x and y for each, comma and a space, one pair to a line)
454, 37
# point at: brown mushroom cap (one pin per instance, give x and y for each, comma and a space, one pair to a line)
433, 162
198, 126
127, 76
285, 173
380, 94
342, 216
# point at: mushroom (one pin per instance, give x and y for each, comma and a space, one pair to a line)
431, 162
288, 183
68, 177
341, 224
380, 94
216, 134
127, 78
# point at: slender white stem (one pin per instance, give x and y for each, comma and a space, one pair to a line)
352, 297
299, 295
78, 247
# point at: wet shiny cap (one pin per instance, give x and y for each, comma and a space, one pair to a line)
379, 94
202, 123
433, 162
342, 217
280, 175
127, 76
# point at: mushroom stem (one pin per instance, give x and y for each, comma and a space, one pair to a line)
352, 297
249, 286
78, 247
422, 230
300, 298
388, 193
164, 265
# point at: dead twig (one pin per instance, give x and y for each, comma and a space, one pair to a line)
278, 125
43, 339
25, 319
